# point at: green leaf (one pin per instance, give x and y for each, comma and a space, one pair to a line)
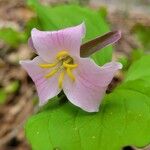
136, 54
103, 11
32, 23
70, 15
11, 37
142, 33
3, 96
12, 87
124, 60
140, 69
123, 119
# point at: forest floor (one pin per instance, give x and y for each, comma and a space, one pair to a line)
20, 103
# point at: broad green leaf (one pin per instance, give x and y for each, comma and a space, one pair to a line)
11, 37
140, 69
54, 18
123, 119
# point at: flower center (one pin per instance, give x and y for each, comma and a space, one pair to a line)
64, 63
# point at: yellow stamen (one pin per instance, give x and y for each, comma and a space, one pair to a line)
64, 64
61, 54
71, 66
51, 73
70, 74
69, 60
61, 78
47, 65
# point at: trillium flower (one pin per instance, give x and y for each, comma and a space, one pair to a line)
59, 66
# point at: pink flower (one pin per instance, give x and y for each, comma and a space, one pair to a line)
59, 66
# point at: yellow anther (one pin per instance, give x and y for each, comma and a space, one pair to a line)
71, 66
70, 74
51, 73
47, 65
61, 78
61, 54
63, 64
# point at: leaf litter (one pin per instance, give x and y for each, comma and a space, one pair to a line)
18, 105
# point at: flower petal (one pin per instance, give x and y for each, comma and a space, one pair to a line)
84, 94
47, 88
30, 43
90, 85
48, 44
101, 76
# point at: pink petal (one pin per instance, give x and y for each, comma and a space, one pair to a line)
84, 94
48, 44
90, 85
101, 76
30, 43
46, 88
